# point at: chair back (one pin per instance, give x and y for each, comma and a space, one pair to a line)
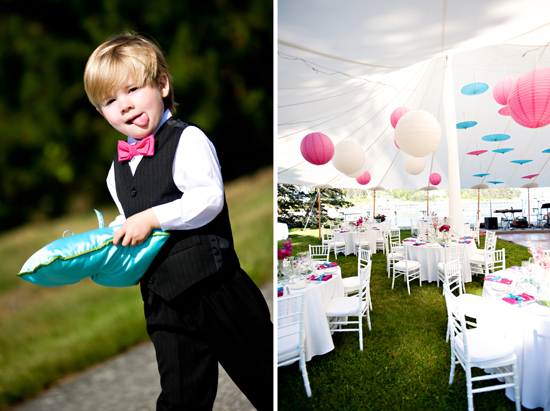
396, 247
363, 259
395, 235
453, 276
490, 240
457, 326
319, 253
364, 287
290, 334
499, 262
454, 251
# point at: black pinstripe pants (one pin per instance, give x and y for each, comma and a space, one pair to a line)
224, 318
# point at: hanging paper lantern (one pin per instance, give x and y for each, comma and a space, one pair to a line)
529, 99
504, 111
435, 179
502, 90
359, 172
349, 157
317, 148
418, 133
364, 178
414, 165
397, 114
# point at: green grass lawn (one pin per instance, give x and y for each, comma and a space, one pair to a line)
405, 361
48, 333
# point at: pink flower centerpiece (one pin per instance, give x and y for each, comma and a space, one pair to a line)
286, 251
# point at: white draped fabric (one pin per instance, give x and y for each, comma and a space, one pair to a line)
344, 67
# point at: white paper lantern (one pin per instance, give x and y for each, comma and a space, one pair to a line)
414, 165
418, 133
359, 172
349, 158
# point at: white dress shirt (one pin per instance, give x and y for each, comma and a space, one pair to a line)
197, 174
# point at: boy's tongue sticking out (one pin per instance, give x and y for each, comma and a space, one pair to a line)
140, 121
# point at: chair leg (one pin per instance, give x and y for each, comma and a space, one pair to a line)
361, 332
469, 393
516, 387
304, 376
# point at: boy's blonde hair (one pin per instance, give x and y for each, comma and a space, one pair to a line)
123, 57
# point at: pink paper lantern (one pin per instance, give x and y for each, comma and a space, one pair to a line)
364, 178
529, 99
397, 114
435, 179
502, 90
504, 111
317, 148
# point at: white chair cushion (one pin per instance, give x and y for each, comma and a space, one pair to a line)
395, 255
350, 284
402, 265
477, 259
441, 266
343, 306
484, 348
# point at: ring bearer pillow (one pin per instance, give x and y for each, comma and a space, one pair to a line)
92, 254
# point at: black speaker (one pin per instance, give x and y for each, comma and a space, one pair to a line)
491, 223
522, 223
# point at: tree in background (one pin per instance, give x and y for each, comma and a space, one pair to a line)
295, 204
57, 149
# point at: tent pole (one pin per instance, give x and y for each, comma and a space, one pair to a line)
374, 206
319, 194
427, 202
529, 207
455, 200
478, 204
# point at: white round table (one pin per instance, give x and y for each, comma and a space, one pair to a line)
318, 337
429, 255
375, 234
528, 328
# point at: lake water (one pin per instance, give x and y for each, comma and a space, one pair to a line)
403, 212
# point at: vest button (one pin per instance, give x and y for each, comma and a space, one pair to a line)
133, 192
151, 280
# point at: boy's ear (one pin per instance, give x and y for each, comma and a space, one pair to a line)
164, 85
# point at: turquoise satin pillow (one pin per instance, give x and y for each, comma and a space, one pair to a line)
92, 254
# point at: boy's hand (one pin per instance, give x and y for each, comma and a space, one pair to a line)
136, 229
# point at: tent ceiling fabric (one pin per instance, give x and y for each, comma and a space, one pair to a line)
344, 67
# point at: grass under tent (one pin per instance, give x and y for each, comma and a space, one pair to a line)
405, 362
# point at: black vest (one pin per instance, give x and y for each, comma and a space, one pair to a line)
189, 255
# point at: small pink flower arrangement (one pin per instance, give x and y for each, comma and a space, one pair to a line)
286, 251
444, 228
359, 222
541, 258
380, 217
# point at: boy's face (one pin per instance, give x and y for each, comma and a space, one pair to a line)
136, 111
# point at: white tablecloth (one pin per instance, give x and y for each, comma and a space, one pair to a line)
349, 238
318, 336
528, 327
430, 255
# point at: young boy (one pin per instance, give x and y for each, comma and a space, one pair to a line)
200, 306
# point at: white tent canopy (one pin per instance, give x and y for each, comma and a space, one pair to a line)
343, 67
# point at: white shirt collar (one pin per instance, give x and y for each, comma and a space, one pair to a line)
166, 116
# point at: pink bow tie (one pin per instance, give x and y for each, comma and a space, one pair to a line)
145, 147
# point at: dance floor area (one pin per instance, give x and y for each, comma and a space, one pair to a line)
520, 237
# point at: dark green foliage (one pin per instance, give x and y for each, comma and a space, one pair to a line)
57, 148
297, 205
405, 361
